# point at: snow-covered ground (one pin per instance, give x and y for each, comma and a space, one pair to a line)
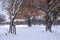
36, 32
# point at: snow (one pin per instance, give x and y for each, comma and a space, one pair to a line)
39, 17
20, 20
58, 18
36, 32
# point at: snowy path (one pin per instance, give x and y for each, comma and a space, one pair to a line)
33, 33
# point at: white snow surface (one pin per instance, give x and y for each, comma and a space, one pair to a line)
58, 18
35, 32
20, 20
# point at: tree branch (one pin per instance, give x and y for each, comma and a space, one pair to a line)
39, 6
54, 7
19, 6
14, 7
51, 2
18, 9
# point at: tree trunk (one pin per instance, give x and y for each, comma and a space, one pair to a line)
12, 28
29, 22
49, 23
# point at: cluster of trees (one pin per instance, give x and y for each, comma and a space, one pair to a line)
29, 8
51, 12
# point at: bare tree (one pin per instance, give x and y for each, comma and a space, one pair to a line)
13, 12
51, 12
29, 21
